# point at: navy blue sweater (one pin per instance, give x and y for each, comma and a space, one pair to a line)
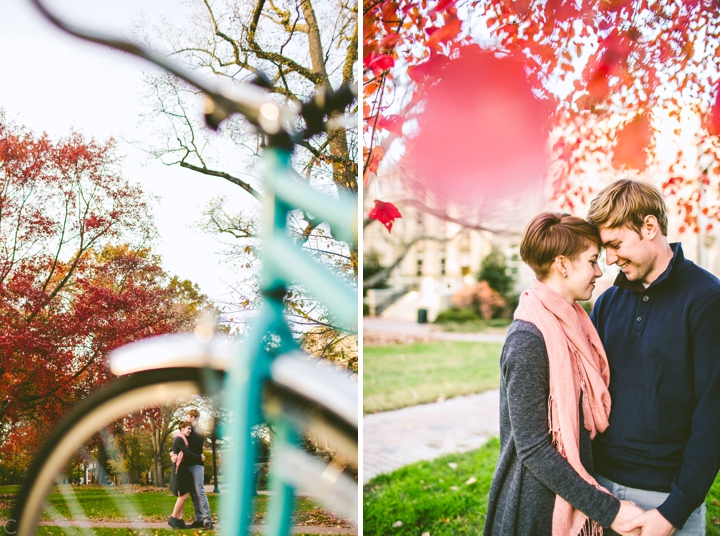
663, 345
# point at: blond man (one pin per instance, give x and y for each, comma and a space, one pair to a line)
660, 325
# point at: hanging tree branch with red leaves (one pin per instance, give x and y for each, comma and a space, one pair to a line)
632, 86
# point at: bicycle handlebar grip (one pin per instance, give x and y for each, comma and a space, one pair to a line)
325, 103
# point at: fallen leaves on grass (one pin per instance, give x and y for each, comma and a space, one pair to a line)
316, 517
398, 524
471, 480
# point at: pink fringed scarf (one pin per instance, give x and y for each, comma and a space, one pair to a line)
180, 454
577, 362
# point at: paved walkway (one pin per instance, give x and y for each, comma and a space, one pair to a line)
392, 439
430, 331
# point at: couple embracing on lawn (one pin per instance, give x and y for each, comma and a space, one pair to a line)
609, 422
187, 478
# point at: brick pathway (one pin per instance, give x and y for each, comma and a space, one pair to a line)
392, 439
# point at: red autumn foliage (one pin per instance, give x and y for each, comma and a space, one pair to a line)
385, 213
70, 289
592, 61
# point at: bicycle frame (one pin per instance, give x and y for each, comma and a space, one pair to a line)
283, 263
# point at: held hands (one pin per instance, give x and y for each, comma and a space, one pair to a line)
651, 523
173, 457
625, 517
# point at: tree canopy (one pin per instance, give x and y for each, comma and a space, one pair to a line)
77, 276
299, 46
631, 86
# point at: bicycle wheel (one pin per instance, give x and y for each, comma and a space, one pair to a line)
95, 443
92, 458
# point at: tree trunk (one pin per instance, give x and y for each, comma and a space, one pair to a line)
159, 479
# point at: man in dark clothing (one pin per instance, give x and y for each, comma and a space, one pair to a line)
199, 498
659, 324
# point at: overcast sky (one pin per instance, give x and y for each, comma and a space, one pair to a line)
52, 82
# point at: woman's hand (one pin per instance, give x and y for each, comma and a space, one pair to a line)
628, 511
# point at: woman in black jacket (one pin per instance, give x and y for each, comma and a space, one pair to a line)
181, 480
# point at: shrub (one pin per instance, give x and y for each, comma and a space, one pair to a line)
457, 315
479, 296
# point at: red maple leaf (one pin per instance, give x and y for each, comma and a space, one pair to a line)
385, 213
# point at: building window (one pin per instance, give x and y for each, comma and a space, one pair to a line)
465, 270
419, 266
442, 266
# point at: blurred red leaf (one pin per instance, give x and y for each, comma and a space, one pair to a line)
391, 123
385, 213
389, 11
447, 32
376, 156
482, 134
379, 62
521, 7
422, 71
598, 86
632, 143
713, 118
441, 6
390, 40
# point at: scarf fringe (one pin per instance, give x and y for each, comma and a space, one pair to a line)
555, 432
591, 528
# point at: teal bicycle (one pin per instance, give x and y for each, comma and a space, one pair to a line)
263, 379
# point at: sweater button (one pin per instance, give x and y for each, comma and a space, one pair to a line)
646, 298
639, 319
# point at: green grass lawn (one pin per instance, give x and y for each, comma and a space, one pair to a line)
149, 505
441, 499
405, 375
432, 497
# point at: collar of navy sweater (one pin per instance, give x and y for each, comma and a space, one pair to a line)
677, 262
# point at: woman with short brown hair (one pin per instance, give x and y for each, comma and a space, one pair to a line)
181, 481
553, 394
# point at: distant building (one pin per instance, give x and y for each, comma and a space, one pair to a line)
440, 256
449, 256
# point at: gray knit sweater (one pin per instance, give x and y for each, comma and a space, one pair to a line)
530, 471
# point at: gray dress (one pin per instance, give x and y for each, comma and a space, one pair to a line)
530, 471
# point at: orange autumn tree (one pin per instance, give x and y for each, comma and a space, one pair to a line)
621, 78
77, 279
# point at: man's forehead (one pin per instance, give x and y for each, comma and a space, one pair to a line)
608, 234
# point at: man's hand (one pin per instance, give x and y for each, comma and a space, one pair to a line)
627, 513
173, 457
202, 457
652, 523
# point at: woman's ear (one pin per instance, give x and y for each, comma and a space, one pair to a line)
560, 264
